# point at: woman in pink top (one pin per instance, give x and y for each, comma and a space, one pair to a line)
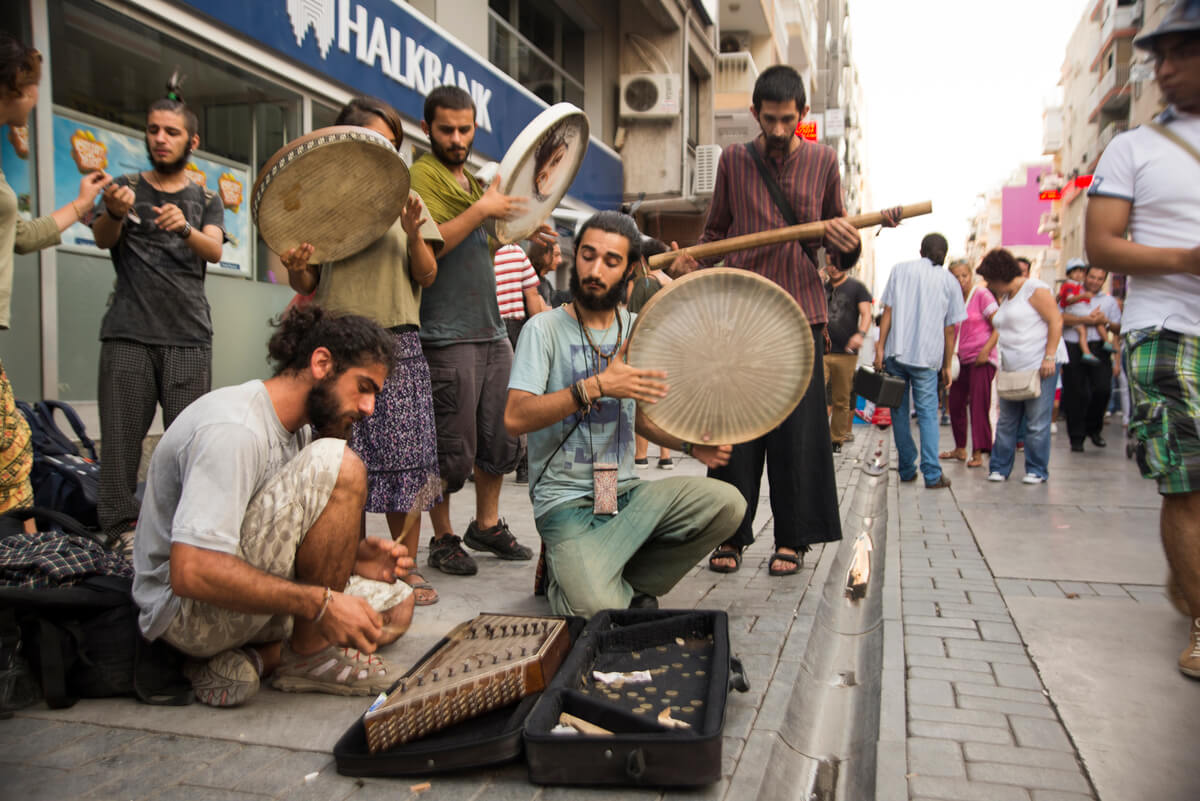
977, 368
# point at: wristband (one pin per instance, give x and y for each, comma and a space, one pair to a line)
599, 387
324, 606
187, 230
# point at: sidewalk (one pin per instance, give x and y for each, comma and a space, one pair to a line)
118, 749
1039, 646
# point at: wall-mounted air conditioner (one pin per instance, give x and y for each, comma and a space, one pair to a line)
650, 96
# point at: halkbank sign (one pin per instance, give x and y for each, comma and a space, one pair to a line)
383, 48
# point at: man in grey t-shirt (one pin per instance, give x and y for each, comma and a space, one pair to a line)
156, 337
250, 530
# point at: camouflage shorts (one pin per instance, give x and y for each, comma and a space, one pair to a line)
276, 520
1163, 368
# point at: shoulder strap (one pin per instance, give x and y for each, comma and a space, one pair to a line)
47, 408
785, 208
1164, 131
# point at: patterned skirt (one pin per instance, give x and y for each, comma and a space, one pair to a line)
16, 451
398, 442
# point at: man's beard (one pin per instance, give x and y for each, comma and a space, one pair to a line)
445, 156
169, 167
605, 302
778, 143
325, 414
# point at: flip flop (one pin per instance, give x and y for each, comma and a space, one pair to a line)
793, 558
950, 455
422, 585
726, 552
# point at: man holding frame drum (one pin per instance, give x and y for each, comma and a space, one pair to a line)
779, 179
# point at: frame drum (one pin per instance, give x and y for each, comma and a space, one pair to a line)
540, 165
737, 350
338, 188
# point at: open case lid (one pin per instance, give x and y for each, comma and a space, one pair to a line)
540, 165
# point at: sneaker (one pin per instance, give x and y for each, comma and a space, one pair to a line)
228, 679
1021, 445
447, 555
666, 464
641, 464
523, 473
945, 420
498, 540
941, 483
333, 670
997, 477
1054, 428
1030, 478
837, 447
1189, 660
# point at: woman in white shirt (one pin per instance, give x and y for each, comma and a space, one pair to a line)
1030, 329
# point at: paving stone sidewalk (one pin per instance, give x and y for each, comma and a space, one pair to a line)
54, 755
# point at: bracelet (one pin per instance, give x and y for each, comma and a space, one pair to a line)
583, 393
324, 606
186, 231
75, 209
599, 386
1048, 358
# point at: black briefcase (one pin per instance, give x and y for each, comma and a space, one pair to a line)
687, 654
879, 388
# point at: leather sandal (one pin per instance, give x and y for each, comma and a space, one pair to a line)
430, 596
794, 559
725, 551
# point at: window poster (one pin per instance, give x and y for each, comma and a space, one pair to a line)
83, 144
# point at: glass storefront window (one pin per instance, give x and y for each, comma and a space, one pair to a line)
112, 68
536, 43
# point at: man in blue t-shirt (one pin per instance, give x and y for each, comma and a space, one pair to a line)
571, 391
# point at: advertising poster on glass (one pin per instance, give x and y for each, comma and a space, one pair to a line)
83, 144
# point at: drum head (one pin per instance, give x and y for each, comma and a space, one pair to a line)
540, 165
737, 350
338, 188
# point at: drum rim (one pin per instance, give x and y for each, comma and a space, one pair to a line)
521, 151
739, 273
304, 144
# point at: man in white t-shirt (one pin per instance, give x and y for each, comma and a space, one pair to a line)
1148, 181
250, 530
1087, 384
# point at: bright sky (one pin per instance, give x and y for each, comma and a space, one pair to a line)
954, 92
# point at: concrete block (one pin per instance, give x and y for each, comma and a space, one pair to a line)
1036, 733
1045, 589
924, 608
1058, 795
1014, 755
924, 594
993, 631
962, 733
1030, 777
932, 631
930, 692
941, 622
946, 663
965, 584
1109, 590
973, 612
1007, 707
989, 651
931, 646
938, 674
963, 790
946, 714
1020, 676
1014, 586
991, 599
989, 690
1076, 587
916, 582
928, 757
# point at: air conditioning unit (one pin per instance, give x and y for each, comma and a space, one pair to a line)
650, 96
705, 176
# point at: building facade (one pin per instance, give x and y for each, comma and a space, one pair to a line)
261, 73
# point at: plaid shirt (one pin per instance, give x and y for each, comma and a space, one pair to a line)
741, 204
51, 559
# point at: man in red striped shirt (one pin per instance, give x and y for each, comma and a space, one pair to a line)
516, 289
803, 491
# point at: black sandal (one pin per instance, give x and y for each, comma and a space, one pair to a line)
794, 558
726, 551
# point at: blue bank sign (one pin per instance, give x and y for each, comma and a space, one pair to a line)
381, 48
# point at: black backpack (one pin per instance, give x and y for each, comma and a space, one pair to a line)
63, 479
81, 640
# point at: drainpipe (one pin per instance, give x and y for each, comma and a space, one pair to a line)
683, 122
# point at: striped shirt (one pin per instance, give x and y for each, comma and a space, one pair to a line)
742, 204
924, 298
514, 274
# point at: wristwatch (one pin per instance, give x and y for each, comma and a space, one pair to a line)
186, 231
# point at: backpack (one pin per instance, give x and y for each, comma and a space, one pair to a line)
63, 479
80, 640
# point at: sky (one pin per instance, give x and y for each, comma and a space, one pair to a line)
953, 93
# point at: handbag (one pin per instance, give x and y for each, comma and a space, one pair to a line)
1019, 385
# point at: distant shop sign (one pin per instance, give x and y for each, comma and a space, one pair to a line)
810, 128
382, 48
